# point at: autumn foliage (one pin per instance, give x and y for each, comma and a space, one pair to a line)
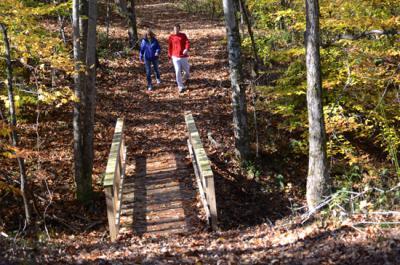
263, 218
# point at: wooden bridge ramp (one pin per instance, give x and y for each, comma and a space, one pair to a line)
158, 196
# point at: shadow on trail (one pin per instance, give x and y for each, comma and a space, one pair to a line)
158, 197
245, 203
333, 247
155, 121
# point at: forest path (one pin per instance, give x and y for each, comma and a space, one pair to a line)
155, 129
154, 120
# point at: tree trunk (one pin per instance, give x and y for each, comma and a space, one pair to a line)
83, 30
130, 15
62, 26
241, 18
108, 14
77, 49
213, 9
318, 174
134, 41
13, 122
238, 90
246, 17
83, 25
90, 103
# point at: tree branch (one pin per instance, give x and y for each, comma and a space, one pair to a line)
364, 34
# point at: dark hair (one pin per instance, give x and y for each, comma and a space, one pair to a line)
149, 34
177, 25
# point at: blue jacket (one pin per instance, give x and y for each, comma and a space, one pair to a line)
149, 49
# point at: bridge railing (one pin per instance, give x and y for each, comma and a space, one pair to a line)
113, 179
203, 172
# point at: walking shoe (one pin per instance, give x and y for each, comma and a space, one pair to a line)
150, 88
181, 89
158, 81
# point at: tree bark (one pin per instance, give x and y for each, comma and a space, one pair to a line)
13, 123
83, 30
62, 26
318, 175
90, 103
246, 17
134, 41
83, 25
108, 14
238, 89
241, 18
77, 50
130, 15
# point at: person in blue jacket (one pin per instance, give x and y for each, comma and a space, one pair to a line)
149, 51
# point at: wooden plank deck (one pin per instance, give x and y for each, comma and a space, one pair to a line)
158, 197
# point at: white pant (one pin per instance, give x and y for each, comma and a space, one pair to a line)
181, 64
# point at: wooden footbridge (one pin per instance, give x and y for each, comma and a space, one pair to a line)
157, 195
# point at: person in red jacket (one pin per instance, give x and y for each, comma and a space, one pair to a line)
178, 48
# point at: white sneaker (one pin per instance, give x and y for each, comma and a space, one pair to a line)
158, 81
150, 88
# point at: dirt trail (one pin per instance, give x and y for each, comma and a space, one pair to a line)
154, 125
154, 120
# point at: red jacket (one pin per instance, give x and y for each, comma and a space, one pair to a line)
177, 43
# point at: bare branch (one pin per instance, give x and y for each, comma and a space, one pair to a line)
357, 36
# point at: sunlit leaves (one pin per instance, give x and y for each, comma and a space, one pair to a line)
4, 129
60, 97
38, 49
358, 73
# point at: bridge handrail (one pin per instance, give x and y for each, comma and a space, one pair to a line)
113, 179
203, 172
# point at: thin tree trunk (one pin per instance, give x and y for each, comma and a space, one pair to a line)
83, 30
78, 93
212, 10
318, 176
61, 20
132, 18
241, 18
130, 14
90, 99
122, 7
238, 90
13, 122
246, 17
254, 98
61, 24
282, 24
108, 13
83, 25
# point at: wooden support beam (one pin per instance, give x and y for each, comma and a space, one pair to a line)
110, 212
113, 179
202, 167
199, 184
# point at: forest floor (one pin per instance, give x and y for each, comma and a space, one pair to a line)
257, 227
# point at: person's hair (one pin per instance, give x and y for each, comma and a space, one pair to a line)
149, 34
177, 25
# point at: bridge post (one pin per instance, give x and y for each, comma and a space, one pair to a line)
202, 168
113, 179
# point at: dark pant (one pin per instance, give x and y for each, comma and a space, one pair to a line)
147, 64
